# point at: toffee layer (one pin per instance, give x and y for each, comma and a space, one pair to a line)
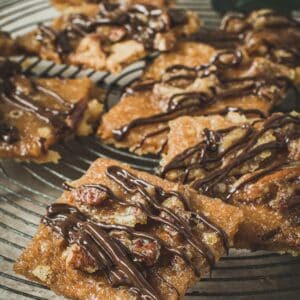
117, 232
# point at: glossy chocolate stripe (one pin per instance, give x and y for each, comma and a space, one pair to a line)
135, 27
246, 150
75, 227
116, 261
150, 135
12, 95
154, 217
189, 103
254, 178
212, 179
133, 184
199, 100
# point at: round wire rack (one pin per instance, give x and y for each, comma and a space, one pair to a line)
26, 189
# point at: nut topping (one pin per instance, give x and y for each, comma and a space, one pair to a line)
89, 196
77, 258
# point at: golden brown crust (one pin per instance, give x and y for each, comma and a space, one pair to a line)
36, 135
269, 34
76, 6
128, 109
105, 47
44, 260
274, 229
269, 203
145, 105
186, 132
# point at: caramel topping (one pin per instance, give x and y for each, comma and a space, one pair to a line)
12, 95
189, 103
123, 265
140, 22
218, 166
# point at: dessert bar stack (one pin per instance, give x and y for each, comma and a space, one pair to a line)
208, 105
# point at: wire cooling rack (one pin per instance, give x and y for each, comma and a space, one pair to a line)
26, 189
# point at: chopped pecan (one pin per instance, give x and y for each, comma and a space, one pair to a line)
89, 196
143, 250
77, 258
146, 251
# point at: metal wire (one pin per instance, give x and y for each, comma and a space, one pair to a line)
26, 189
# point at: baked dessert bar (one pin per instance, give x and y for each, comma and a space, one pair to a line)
140, 120
7, 44
262, 33
111, 39
118, 233
37, 112
248, 162
268, 34
92, 7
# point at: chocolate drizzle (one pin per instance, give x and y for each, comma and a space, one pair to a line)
11, 94
61, 40
273, 19
117, 262
206, 156
222, 61
133, 184
140, 22
94, 238
245, 30
255, 177
191, 103
207, 152
247, 112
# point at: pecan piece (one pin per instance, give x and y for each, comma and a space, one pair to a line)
77, 258
146, 251
90, 196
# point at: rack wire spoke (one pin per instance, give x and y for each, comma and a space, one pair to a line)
26, 189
